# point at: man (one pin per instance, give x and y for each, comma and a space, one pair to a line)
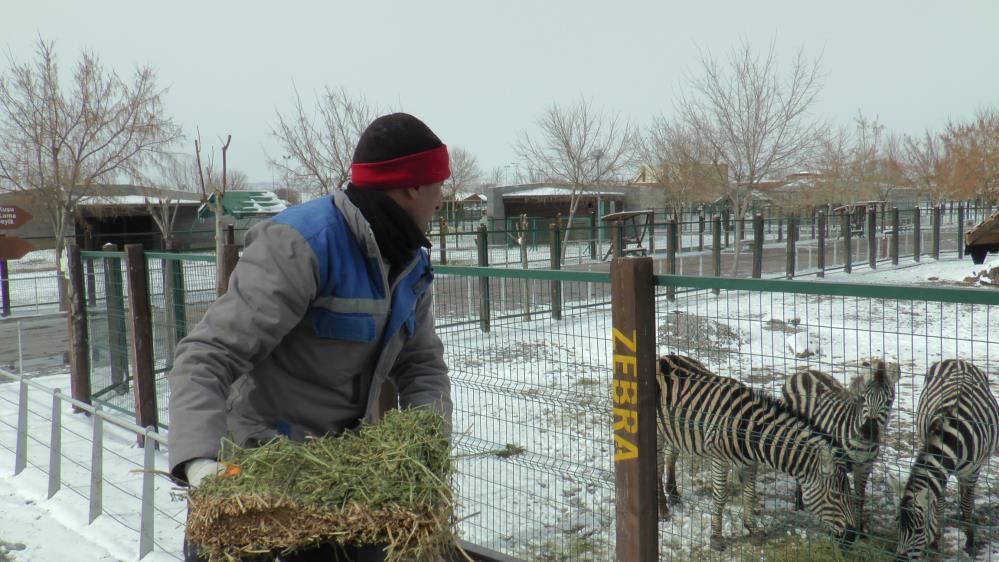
330, 299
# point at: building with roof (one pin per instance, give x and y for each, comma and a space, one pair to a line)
124, 214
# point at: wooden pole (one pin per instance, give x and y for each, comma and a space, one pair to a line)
442, 227
917, 234
821, 232
140, 318
894, 235
634, 409
716, 246
847, 231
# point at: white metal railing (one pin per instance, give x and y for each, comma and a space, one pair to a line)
95, 494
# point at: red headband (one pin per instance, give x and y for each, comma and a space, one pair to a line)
422, 168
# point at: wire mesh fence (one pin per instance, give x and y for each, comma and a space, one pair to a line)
530, 353
761, 333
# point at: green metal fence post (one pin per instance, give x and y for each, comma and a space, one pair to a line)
937, 217
872, 240
757, 245
894, 235
117, 335
80, 341
700, 231
821, 262
960, 231
556, 263
917, 234
847, 235
484, 305
593, 234
716, 246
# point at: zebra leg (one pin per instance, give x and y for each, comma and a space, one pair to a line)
939, 514
748, 474
967, 489
671, 489
719, 493
661, 451
861, 473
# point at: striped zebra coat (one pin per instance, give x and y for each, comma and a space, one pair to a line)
855, 418
731, 424
957, 421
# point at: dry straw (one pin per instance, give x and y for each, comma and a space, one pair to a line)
388, 484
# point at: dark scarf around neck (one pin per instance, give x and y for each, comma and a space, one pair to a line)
395, 232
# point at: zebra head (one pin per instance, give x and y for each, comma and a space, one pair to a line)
827, 494
917, 524
877, 389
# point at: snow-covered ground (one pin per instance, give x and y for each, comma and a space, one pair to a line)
534, 452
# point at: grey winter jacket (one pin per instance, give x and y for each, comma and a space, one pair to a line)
285, 352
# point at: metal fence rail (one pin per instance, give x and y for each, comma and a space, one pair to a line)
73, 461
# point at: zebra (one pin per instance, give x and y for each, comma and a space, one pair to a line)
854, 418
957, 421
704, 414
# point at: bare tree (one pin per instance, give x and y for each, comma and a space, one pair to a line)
465, 175
57, 144
972, 155
753, 118
212, 194
678, 160
317, 149
924, 163
580, 147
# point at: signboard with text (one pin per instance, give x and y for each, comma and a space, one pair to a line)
14, 248
12, 216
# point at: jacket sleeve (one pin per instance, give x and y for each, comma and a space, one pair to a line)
269, 293
420, 373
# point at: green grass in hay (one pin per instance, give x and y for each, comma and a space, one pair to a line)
400, 466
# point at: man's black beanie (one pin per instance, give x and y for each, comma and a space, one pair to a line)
393, 136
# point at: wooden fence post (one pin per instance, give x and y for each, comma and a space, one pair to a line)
556, 263
484, 304
894, 235
230, 256
822, 230
652, 233
140, 318
114, 292
757, 246
872, 240
79, 363
634, 409
936, 232
442, 227
917, 234
847, 235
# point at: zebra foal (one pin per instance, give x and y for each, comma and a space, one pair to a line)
719, 418
855, 418
957, 421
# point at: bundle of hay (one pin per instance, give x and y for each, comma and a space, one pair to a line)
388, 484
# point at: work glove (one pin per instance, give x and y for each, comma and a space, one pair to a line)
199, 469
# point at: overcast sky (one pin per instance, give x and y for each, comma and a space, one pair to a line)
480, 72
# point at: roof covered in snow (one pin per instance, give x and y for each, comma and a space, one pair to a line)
242, 204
